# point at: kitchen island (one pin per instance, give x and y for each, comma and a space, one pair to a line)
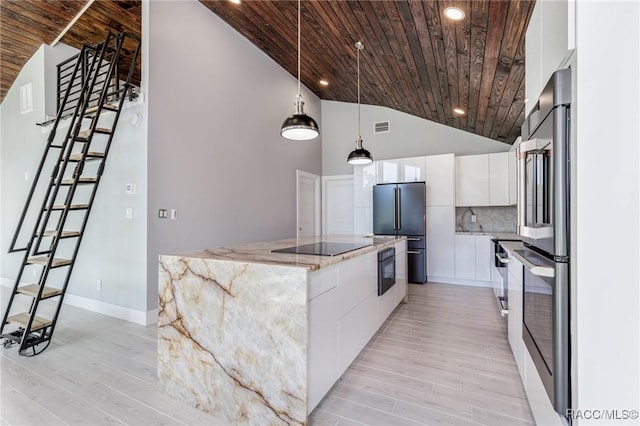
253, 336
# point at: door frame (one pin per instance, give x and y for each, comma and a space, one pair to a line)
317, 201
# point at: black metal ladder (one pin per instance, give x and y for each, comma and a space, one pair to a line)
92, 102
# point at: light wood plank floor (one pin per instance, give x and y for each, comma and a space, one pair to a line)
441, 359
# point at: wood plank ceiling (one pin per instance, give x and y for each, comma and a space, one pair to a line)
27, 24
415, 60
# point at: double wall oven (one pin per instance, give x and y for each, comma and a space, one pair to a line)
543, 224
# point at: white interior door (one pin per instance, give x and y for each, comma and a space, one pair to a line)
308, 204
338, 205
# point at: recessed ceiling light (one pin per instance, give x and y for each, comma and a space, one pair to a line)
454, 13
459, 111
324, 82
235, 1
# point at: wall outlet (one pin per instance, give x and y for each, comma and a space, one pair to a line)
129, 213
474, 218
99, 285
130, 188
162, 213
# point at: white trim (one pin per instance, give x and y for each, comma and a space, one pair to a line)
72, 23
318, 210
115, 311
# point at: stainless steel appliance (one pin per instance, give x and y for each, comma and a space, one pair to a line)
386, 270
322, 248
399, 209
543, 224
501, 289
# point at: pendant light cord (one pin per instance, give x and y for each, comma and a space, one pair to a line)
358, 60
298, 48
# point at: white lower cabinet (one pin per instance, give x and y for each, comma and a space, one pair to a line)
345, 311
441, 242
514, 325
465, 262
483, 257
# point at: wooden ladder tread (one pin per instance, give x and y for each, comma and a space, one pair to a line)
32, 290
93, 109
64, 234
91, 155
72, 207
22, 319
84, 135
82, 180
43, 260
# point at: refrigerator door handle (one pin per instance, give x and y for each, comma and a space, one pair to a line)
399, 212
395, 209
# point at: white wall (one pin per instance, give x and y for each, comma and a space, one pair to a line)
607, 207
113, 249
410, 136
216, 104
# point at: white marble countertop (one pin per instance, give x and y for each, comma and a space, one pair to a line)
498, 235
261, 252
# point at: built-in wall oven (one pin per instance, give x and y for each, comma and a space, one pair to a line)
386, 270
543, 224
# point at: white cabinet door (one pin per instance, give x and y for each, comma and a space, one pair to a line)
401, 271
324, 359
472, 180
364, 177
387, 171
483, 257
513, 174
532, 76
355, 330
553, 37
386, 304
441, 233
337, 205
412, 169
499, 179
465, 257
440, 176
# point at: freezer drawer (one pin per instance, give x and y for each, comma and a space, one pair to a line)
416, 242
417, 265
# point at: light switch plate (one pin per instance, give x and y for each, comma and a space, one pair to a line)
129, 213
130, 188
474, 218
174, 213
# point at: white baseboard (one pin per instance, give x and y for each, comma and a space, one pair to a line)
458, 281
115, 311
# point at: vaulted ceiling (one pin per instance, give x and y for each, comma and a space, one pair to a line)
415, 59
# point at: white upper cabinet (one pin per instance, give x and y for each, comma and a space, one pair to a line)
387, 171
440, 176
472, 180
412, 169
499, 179
482, 180
549, 38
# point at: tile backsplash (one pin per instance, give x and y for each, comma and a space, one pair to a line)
489, 219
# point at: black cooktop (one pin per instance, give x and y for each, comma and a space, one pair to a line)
322, 248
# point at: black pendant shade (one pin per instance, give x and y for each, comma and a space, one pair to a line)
359, 155
299, 126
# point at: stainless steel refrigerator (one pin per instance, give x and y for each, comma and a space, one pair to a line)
399, 209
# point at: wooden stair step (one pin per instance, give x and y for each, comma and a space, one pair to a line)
91, 155
109, 107
43, 260
84, 135
65, 234
32, 290
22, 319
72, 207
81, 181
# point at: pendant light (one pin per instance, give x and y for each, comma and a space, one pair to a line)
299, 126
359, 155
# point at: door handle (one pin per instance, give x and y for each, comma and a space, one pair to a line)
502, 259
543, 271
413, 252
414, 239
398, 208
395, 209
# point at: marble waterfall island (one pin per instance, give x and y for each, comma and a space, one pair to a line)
234, 332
